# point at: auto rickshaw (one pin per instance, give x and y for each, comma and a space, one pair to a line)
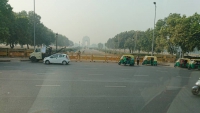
182, 62
194, 64
127, 60
152, 60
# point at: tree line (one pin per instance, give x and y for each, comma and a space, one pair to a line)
175, 32
18, 28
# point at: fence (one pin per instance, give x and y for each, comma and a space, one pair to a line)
5, 52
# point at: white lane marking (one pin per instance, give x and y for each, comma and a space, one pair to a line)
183, 77
89, 68
95, 74
115, 86
174, 87
9, 66
45, 73
141, 75
127, 69
47, 85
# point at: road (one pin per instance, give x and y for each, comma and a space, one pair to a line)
88, 87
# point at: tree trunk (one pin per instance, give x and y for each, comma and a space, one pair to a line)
22, 46
182, 54
11, 45
130, 50
27, 46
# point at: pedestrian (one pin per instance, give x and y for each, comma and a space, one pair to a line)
79, 55
138, 60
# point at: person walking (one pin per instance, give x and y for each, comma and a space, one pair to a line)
138, 60
79, 55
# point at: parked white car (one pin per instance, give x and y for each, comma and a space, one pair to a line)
57, 58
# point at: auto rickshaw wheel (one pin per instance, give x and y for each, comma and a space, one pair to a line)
119, 63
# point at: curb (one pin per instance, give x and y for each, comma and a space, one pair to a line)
4, 60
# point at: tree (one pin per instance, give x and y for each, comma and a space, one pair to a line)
100, 45
5, 20
129, 44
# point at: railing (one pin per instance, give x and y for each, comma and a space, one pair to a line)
5, 52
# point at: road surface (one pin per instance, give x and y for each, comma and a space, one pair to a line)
88, 87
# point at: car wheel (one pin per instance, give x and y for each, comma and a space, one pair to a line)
47, 62
33, 59
64, 63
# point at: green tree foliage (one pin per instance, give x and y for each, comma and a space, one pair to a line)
100, 45
129, 43
18, 28
63, 40
171, 33
5, 20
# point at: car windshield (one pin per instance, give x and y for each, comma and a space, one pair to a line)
99, 56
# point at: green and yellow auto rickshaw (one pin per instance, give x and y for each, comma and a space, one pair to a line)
182, 62
152, 60
194, 64
127, 60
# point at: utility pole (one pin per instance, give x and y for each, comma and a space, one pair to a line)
153, 29
135, 41
56, 41
34, 26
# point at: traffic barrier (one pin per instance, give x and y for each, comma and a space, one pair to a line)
105, 58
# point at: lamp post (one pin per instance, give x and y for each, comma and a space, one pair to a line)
153, 29
56, 41
134, 45
79, 46
135, 41
34, 25
169, 43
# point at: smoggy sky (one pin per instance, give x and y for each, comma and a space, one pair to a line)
102, 19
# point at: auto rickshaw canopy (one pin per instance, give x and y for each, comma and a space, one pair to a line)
127, 56
150, 57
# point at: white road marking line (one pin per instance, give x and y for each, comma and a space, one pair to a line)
89, 68
47, 85
95, 74
9, 66
115, 86
141, 75
45, 73
127, 69
174, 87
183, 77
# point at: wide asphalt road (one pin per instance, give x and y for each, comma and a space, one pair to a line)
85, 87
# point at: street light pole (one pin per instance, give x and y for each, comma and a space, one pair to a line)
79, 46
153, 29
34, 25
135, 41
56, 41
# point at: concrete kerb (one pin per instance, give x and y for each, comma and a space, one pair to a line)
4, 60
93, 61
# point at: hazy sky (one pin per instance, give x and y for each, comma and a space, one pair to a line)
102, 19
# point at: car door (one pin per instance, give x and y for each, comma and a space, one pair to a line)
60, 58
53, 58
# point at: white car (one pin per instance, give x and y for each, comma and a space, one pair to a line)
57, 58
